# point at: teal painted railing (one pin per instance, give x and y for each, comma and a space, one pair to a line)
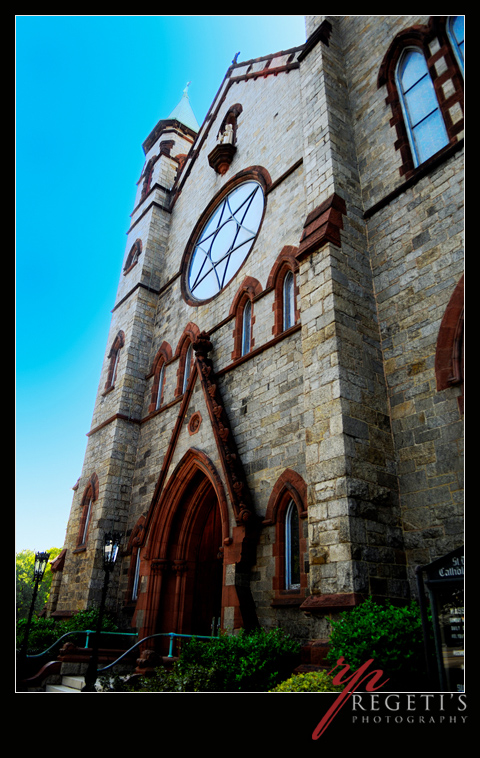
171, 635
87, 632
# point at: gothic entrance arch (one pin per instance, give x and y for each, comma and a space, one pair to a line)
185, 551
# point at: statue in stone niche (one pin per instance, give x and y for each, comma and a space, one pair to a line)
226, 137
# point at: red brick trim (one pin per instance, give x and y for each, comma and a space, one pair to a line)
449, 355
249, 289
117, 345
162, 555
328, 603
189, 336
134, 545
286, 261
289, 486
252, 173
162, 357
238, 489
420, 36
90, 493
132, 258
194, 423
322, 225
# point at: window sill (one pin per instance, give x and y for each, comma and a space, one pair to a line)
291, 598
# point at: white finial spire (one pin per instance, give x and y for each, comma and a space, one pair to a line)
184, 113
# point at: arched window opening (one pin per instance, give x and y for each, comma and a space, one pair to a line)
136, 576
114, 357
247, 328
86, 522
423, 118
282, 280
287, 511
188, 366
288, 301
243, 311
292, 548
161, 382
89, 496
133, 256
456, 35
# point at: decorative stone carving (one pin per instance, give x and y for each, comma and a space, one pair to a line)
221, 157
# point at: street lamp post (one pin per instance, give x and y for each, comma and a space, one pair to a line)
41, 560
111, 542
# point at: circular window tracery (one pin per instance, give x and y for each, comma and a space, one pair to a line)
225, 241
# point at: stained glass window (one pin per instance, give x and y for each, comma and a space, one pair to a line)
225, 240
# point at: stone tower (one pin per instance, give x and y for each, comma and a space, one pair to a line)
277, 432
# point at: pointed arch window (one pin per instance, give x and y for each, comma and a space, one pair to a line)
161, 382
243, 310
89, 497
186, 358
114, 357
159, 373
288, 300
287, 512
423, 73
292, 547
282, 280
456, 35
86, 521
247, 328
136, 576
188, 366
133, 256
423, 117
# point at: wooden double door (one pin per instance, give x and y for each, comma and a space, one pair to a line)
191, 594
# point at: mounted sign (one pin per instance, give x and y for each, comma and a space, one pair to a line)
444, 581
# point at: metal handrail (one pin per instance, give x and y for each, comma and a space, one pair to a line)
172, 636
80, 631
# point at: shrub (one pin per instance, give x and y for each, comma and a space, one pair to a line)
312, 681
244, 662
190, 678
252, 662
392, 636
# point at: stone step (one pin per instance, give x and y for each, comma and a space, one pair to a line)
76, 682
69, 684
60, 688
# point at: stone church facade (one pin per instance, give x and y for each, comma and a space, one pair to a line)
278, 427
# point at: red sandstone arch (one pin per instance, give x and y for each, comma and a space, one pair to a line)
185, 536
449, 350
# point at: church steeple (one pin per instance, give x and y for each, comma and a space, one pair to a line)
184, 117
183, 112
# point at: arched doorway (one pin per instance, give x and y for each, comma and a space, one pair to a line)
184, 551
192, 591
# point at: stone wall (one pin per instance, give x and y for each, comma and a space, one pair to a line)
344, 406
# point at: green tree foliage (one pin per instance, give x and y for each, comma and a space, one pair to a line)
45, 631
25, 583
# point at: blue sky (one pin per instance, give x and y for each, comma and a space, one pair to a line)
89, 89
